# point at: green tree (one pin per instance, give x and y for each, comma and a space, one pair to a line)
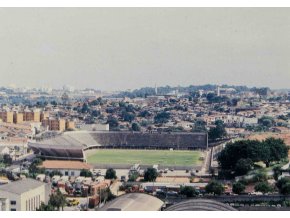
162, 117
243, 166
86, 173
96, 113
57, 200
110, 174
199, 126
238, 188
113, 122
188, 191
283, 185
7, 159
263, 187
268, 151
260, 177
136, 127
45, 207
133, 177
150, 175
285, 190
233, 152
85, 108
55, 172
266, 121
35, 168
274, 150
214, 187
128, 116
217, 132
277, 172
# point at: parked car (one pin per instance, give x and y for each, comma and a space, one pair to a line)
73, 202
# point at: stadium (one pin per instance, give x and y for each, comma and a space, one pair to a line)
75, 145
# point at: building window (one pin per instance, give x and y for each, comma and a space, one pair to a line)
72, 173
66, 173
13, 209
13, 202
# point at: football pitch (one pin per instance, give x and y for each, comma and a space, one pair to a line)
148, 157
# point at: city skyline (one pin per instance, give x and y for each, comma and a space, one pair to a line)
122, 48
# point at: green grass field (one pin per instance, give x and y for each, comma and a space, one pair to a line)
164, 157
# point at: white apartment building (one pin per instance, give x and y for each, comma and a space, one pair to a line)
23, 195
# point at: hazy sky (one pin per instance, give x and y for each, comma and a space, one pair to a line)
125, 48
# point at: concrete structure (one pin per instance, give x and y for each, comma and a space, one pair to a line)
200, 205
23, 195
44, 115
134, 202
67, 168
18, 118
94, 127
31, 116
70, 125
54, 124
142, 140
70, 145
6, 116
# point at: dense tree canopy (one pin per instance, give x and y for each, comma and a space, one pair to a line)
113, 122
243, 166
263, 187
57, 200
136, 127
150, 175
86, 173
215, 187
266, 121
188, 191
283, 185
274, 150
218, 131
162, 117
238, 187
6, 159
268, 151
110, 174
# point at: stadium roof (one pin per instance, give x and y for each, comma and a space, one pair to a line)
200, 205
134, 202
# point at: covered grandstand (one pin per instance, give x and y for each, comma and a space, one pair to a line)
200, 205
71, 145
145, 202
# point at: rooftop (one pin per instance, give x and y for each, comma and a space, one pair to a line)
134, 202
21, 186
60, 164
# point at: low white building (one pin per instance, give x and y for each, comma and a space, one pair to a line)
23, 195
67, 168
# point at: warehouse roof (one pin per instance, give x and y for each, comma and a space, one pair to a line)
134, 202
21, 186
